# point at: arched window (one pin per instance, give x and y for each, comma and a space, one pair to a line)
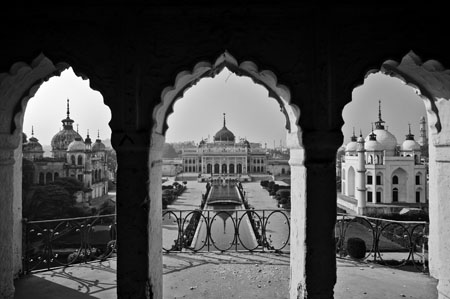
72, 159
283, 171
48, 177
395, 180
209, 168
258, 169
41, 178
216, 168
377, 159
231, 168
370, 159
56, 175
80, 160
239, 168
224, 168
395, 195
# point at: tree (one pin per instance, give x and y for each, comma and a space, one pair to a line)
71, 185
169, 151
47, 202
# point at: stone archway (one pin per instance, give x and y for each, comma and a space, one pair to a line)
187, 79
17, 87
432, 83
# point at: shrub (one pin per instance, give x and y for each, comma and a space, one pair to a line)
356, 248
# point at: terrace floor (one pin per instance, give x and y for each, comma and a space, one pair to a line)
226, 275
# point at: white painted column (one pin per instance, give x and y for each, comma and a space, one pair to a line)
297, 281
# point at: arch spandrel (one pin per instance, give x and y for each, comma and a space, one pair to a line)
186, 79
432, 83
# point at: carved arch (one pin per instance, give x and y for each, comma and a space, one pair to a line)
20, 84
186, 79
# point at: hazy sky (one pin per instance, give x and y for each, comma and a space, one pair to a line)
249, 111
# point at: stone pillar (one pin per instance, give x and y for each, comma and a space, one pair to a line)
313, 216
10, 182
134, 231
439, 211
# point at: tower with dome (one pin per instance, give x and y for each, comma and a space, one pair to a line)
71, 157
378, 173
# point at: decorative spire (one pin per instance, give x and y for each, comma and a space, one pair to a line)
224, 121
67, 122
409, 136
353, 137
68, 109
379, 124
98, 133
32, 130
77, 128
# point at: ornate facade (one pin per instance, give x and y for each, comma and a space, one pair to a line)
375, 170
225, 155
71, 157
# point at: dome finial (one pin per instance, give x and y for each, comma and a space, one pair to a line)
77, 128
88, 133
224, 121
98, 133
409, 136
379, 124
68, 109
32, 131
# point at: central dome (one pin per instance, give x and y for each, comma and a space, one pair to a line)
387, 141
224, 134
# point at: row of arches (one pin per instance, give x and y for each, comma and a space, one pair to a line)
45, 178
76, 160
224, 168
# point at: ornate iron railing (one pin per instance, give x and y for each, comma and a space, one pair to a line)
389, 242
61, 242
225, 229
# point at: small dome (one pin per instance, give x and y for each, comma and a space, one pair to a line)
386, 139
410, 145
76, 145
98, 146
351, 146
32, 145
373, 145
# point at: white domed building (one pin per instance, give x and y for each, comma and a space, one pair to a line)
376, 171
71, 157
225, 156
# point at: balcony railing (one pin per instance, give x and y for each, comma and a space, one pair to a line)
225, 229
388, 242
62, 242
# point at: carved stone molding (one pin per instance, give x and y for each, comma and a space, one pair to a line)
430, 79
186, 79
20, 84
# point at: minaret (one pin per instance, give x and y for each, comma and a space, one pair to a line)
423, 140
361, 177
